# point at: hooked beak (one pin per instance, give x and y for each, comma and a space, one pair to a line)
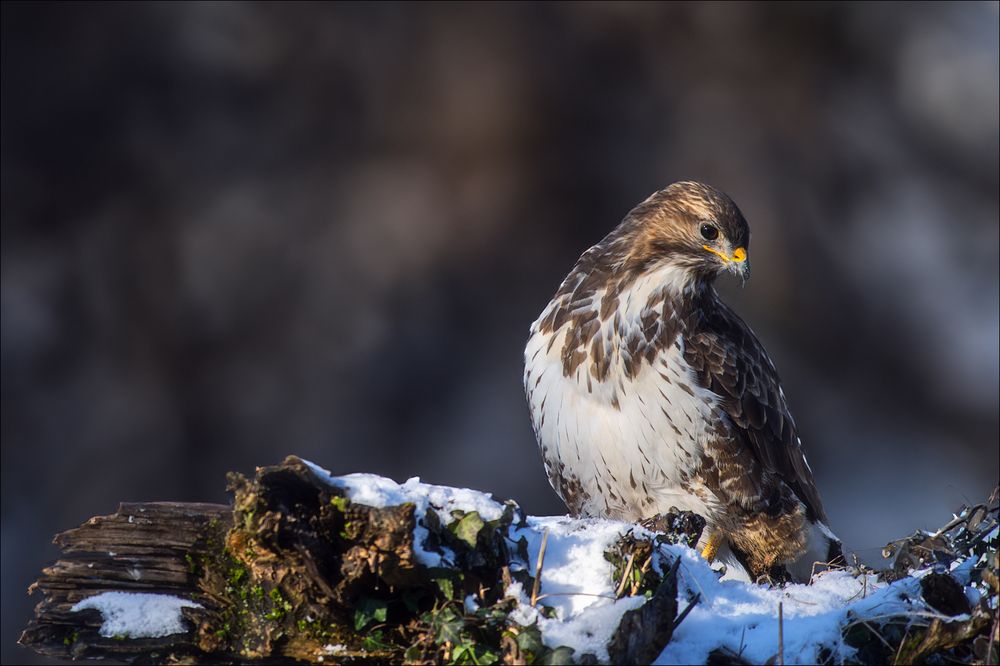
738, 263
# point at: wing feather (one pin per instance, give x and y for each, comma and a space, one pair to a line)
728, 358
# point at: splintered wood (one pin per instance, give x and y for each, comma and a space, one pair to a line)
148, 548
275, 576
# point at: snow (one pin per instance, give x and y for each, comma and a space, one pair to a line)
730, 614
743, 617
137, 615
576, 582
378, 491
587, 631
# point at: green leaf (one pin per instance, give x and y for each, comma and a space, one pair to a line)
463, 654
487, 657
467, 529
369, 609
529, 639
446, 586
374, 642
448, 627
560, 655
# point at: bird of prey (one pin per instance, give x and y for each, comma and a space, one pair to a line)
648, 393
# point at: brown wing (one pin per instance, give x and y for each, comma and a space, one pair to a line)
729, 360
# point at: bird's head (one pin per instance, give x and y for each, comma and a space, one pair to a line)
692, 227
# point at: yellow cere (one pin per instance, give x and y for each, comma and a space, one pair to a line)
739, 255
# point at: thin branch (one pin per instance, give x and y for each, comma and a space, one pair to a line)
642, 574
625, 575
684, 614
899, 650
781, 634
538, 567
875, 631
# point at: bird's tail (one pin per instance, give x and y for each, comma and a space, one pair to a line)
823, 551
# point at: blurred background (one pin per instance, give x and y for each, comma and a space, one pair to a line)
232, 232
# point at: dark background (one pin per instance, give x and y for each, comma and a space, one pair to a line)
233, 232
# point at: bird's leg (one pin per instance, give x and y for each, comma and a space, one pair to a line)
711, 548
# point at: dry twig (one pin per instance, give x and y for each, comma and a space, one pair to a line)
625, 575
538, 568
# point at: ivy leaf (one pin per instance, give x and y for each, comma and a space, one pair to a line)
529, 639
446, 586
467, 529
463, 654
486, 657
448, 627
560, 655
369, 609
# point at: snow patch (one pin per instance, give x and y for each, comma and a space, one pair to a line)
735, 616
334, 648
743, 618
380, 492
137, 615
576, 582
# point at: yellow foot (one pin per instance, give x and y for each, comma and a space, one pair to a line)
711, 548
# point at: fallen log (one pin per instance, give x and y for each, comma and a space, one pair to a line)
292, 571
304, 567
144, 548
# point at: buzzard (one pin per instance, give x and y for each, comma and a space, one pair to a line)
647, 392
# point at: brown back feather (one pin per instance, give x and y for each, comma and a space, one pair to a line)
730, 360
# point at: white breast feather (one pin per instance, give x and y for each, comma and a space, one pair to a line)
607, 448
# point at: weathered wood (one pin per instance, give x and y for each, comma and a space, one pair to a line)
276, 574
279, 575
143, 547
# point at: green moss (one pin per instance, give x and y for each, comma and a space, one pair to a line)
351, 530
421, 619
280, 607
323, 633
237, 574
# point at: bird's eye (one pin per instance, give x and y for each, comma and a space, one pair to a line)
709, 231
